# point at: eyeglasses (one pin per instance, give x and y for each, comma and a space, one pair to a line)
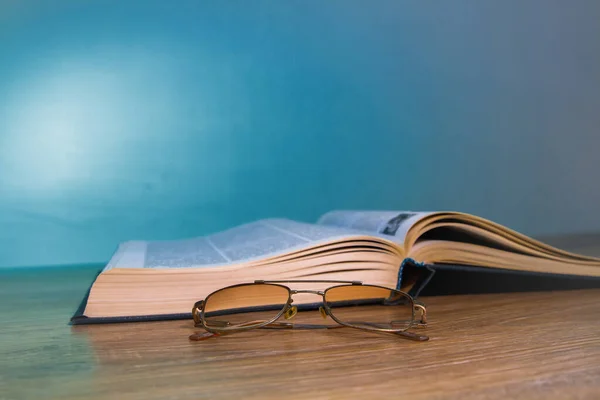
349, 303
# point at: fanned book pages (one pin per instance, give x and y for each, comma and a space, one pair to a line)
162, 279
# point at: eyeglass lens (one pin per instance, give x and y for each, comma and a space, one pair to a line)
365, 306
244, 306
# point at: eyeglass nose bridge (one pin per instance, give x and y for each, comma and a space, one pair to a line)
319, 292
291, 311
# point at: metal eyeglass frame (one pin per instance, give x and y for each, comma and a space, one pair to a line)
289, 311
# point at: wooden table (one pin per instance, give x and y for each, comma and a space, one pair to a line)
518, 346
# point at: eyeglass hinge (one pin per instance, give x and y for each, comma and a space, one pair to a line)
259, 281
356, 283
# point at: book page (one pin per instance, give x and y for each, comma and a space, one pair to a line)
392, 223
252, 241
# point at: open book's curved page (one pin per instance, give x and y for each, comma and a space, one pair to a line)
393, 223
248, 242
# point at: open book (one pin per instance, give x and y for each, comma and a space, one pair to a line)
398, 249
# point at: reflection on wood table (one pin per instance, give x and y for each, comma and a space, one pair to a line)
522, 346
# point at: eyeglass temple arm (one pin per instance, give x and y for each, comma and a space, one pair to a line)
272, 325
282, 325
288, 325
412, 336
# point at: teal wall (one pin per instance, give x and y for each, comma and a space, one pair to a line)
145, 120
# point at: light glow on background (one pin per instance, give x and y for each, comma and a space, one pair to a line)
64, 119
142, 120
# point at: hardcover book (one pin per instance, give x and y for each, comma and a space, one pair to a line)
155, 280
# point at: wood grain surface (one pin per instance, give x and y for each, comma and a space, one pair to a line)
520, 346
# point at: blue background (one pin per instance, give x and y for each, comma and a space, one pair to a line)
151, 120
